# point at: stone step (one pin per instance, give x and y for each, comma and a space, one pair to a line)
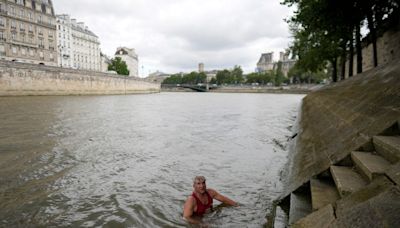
323, 192
347, 180
318, 219
300, 206
371, 165
388, 147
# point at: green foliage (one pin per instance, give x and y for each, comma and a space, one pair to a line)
300, 76
279, 77
119, 66
173, 79
213, 81
191, 78
261, 78
234, 76
237, 75
322, 29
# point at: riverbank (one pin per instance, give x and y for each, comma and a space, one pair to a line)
292, 89
344, 167
22, 79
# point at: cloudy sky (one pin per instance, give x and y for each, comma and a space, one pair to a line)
175, 35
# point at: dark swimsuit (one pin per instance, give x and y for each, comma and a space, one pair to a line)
201, 208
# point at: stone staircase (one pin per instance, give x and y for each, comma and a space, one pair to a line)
323, 200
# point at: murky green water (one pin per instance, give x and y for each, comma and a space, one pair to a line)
128, 161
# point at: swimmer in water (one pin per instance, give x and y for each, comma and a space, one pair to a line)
201, 200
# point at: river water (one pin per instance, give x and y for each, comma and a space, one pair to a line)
129, 161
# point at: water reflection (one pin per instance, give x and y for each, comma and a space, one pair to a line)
128, 161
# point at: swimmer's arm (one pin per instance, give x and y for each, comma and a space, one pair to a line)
215, 195
188, 209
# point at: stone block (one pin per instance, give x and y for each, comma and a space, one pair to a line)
370, 165
347, 180
377, 186
300, 206
381, 210
393, 172
323, 192
388, 147
318, 219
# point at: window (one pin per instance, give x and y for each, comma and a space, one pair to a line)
41, 54
31, 52
2, 50
14, 50
14, 36
23, 51
12, 10
21, 2
13, 24
2, 21
22, 13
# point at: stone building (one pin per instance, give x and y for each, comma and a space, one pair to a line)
201, 67
28, 31
104, 62
78, 47
64, 41
266, 62
131, 58
287, 63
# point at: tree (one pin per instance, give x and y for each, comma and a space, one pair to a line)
173, 79
119, 66
237, 74
322, 29
261, 78
279, 77
223, 76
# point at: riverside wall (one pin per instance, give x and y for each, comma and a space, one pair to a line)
340, 118
334, 121
388, 46
21, 79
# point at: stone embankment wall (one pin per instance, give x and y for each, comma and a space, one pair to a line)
341, 118
388, 46
344, 166
18, 79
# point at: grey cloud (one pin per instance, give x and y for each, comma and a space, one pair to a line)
176, 34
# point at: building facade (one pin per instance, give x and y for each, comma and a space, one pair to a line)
78, 47
131, 58
266, 62
64, 41
104, 62
287, 63
28, 31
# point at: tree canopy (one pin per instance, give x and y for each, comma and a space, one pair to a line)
119, 66
324, 30
191, 78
